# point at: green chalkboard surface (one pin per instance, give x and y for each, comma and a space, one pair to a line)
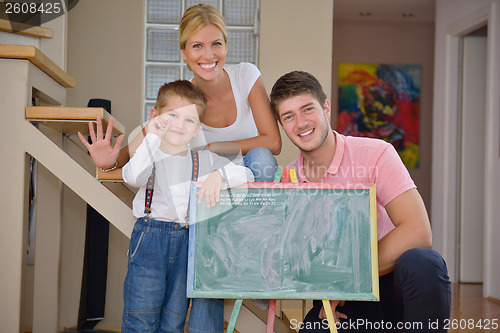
285, 241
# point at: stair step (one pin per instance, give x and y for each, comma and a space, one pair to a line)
71, 120
25, 29
40, 60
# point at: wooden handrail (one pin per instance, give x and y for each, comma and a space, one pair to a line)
40, 60
110, 176
25, 29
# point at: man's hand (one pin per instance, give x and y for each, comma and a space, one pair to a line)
211, 189
101, 151
336, 314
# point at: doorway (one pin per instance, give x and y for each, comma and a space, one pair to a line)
471, 157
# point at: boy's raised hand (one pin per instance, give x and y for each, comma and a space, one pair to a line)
103, 154
157, 125
211, 189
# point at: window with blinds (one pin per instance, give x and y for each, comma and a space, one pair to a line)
162, 60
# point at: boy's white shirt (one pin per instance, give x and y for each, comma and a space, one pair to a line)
175, 171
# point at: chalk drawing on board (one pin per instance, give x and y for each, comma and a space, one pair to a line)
285, 241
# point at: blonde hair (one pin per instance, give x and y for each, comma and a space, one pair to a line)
196, 17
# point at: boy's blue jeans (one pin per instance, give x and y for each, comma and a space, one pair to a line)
154, 291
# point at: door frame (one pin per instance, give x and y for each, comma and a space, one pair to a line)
445, 133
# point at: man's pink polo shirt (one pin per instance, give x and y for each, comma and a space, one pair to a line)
366, 161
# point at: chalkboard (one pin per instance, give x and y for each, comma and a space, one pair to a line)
285, 241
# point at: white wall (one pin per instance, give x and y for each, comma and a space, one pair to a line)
454, 18
295, 35
492, 174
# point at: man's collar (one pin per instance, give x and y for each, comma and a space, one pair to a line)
339, 154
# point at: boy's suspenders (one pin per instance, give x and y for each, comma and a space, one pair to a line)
149, 193
150, 185
194, 177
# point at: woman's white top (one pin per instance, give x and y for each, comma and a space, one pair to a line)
242, 77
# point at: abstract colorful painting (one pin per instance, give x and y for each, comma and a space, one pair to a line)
381, 101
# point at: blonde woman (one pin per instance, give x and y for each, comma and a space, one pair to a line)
238, 115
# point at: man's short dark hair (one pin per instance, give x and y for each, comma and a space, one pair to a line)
294, 84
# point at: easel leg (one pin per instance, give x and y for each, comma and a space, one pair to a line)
234, 316
329, 316
270, 316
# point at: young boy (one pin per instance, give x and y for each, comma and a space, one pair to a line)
163, 167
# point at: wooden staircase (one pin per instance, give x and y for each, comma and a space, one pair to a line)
70, 121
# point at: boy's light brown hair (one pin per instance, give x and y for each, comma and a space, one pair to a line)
184, 89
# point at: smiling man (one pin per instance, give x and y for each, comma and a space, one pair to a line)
414, 283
